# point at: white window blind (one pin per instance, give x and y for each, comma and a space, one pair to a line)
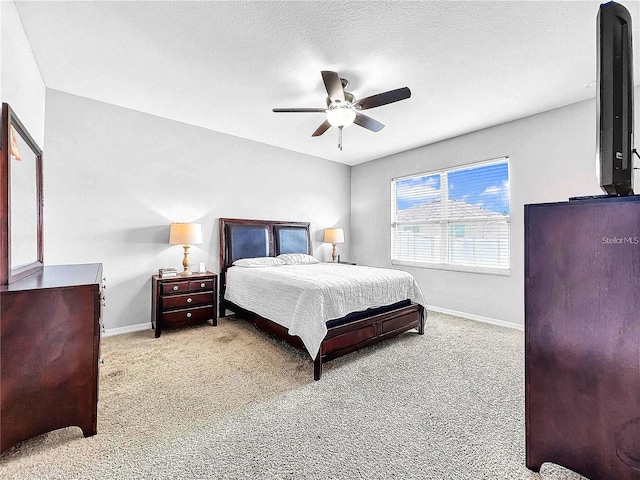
456, 218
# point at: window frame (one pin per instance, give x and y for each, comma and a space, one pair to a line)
451, 222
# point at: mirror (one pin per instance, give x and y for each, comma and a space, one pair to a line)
22, 252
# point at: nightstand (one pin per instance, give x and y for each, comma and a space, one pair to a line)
183, 300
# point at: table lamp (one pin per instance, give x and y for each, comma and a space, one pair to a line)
333, 236
185, 234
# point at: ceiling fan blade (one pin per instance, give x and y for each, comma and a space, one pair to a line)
333, 84
321, 129
368, 123
298, 110
383, 98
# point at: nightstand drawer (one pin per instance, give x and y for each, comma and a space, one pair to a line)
200, 285
175, 287
187, 316
186, 301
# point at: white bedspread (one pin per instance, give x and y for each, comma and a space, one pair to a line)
303, 298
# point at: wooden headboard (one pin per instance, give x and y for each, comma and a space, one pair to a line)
241, 238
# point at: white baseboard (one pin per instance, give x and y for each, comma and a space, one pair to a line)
477, 318
109, 332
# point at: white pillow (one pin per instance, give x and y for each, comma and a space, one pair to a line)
297, 258
258, 262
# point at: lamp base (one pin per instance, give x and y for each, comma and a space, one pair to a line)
334, 253
185, 262
186, 272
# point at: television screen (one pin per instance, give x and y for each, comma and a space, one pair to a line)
615, 100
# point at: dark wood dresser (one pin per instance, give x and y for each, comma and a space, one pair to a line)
49, 350
183, 300
582, 336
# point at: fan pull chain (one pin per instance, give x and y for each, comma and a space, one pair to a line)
340, 138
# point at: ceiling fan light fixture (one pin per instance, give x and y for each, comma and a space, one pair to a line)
341, 116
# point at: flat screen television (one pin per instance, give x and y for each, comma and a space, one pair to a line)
615, 100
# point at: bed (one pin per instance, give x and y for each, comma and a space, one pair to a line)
327, 309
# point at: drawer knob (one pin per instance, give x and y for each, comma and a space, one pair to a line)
175, 288
202, 285
189, 300
189, 315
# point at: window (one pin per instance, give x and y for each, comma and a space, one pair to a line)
455, 219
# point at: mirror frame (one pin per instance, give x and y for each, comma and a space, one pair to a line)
9, 274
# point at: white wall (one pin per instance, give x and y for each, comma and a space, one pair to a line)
114, 179
21, 84
552, 158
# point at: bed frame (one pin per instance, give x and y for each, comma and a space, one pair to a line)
241, 238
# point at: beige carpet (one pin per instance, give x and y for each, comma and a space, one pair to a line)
231, 402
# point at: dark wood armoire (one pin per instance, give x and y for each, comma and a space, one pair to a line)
582, 336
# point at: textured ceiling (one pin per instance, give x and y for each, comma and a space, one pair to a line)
224, 65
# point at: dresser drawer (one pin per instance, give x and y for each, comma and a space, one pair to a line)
187, 301
187, 316
201, 285
175, 287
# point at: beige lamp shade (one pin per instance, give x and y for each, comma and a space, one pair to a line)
185, 234
15, 153
334, 235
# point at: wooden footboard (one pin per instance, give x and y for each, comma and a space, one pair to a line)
353, 336
346, 338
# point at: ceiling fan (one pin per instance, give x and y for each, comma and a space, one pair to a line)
343, 109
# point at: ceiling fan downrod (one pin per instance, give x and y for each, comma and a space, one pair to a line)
340, 138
